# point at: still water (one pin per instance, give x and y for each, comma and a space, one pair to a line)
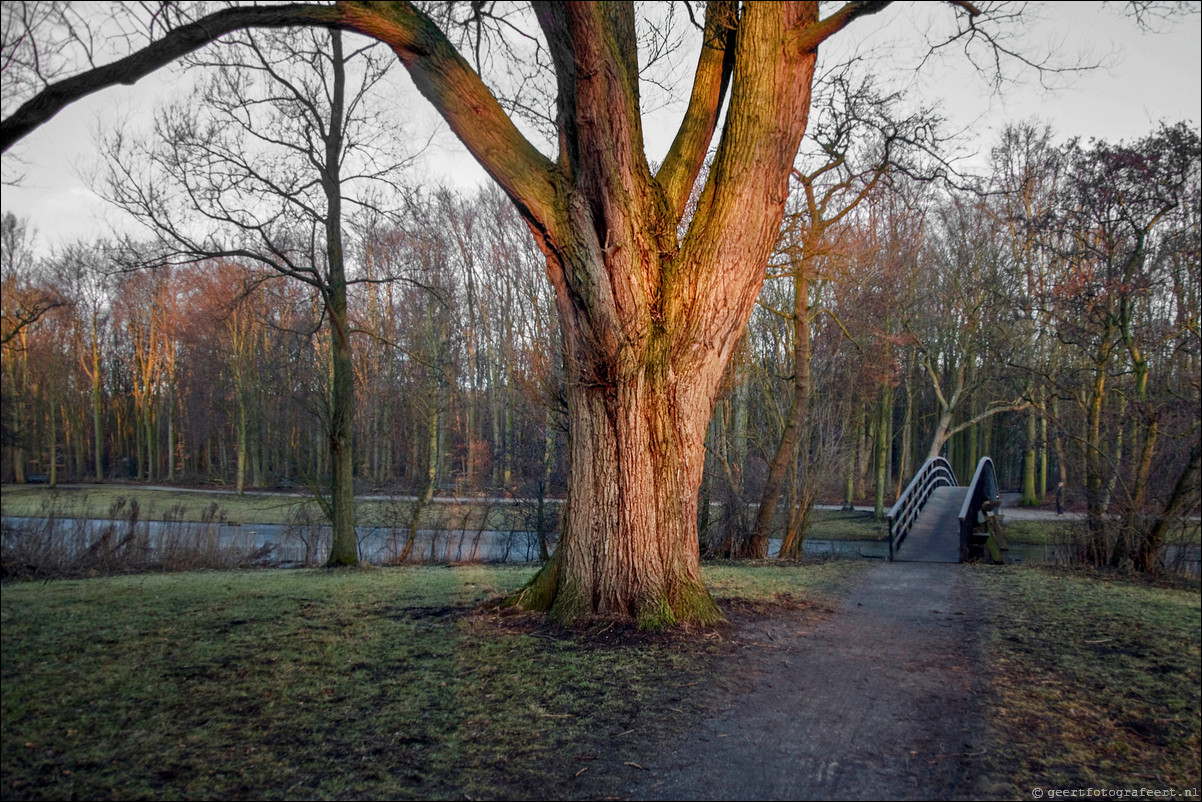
284, 545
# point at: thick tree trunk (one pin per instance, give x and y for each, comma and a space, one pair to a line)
650, 317
650, 321
629, 544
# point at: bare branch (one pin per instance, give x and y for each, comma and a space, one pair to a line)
176, 43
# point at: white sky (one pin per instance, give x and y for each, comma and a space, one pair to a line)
1148, 77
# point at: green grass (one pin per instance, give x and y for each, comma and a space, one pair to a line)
771, 579
1038, 533
102, 501
404, 683
1060, 531
105, 501
1094, 681
846, 525
376, 683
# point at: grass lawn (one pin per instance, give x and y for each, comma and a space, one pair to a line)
1094, 681
375, 683
109, 501
846, 525
400, 683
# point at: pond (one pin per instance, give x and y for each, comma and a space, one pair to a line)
290, 545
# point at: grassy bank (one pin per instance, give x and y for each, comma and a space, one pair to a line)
114, 502
374, 683
105, 502
1094, 681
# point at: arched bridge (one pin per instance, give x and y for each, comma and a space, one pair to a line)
938, 520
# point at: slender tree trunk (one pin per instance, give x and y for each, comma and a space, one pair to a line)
849, 486
883, 455
240, 432
171, 437
1058, 445
428, 487
940, 438
1030, 498
904, 469
19, 406
1042, 482
853, 456
1094, 480
146, 452
544, 487
52, 445
344, 550
786, 452
97, 399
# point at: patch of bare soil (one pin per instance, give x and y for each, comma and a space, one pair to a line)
876, 700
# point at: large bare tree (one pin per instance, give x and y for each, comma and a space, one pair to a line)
258, 164
651, 302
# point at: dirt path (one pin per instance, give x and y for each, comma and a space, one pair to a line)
874, 701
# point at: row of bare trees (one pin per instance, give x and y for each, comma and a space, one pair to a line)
217, 372
1048, 318
898, 321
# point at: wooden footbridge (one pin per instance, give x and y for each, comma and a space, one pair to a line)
938, 520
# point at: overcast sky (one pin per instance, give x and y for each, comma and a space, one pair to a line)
1148, 77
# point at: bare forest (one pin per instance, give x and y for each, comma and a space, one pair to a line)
1034, 319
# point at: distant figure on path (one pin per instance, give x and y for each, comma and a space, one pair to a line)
1060, 499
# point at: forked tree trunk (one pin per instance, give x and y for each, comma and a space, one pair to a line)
649, 317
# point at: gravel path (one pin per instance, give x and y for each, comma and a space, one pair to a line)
874, 701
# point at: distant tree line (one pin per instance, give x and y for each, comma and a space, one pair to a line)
1047, 316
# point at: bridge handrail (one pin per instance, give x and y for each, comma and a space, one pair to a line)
935, 472
983, 488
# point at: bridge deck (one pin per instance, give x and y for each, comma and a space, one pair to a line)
935, 536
